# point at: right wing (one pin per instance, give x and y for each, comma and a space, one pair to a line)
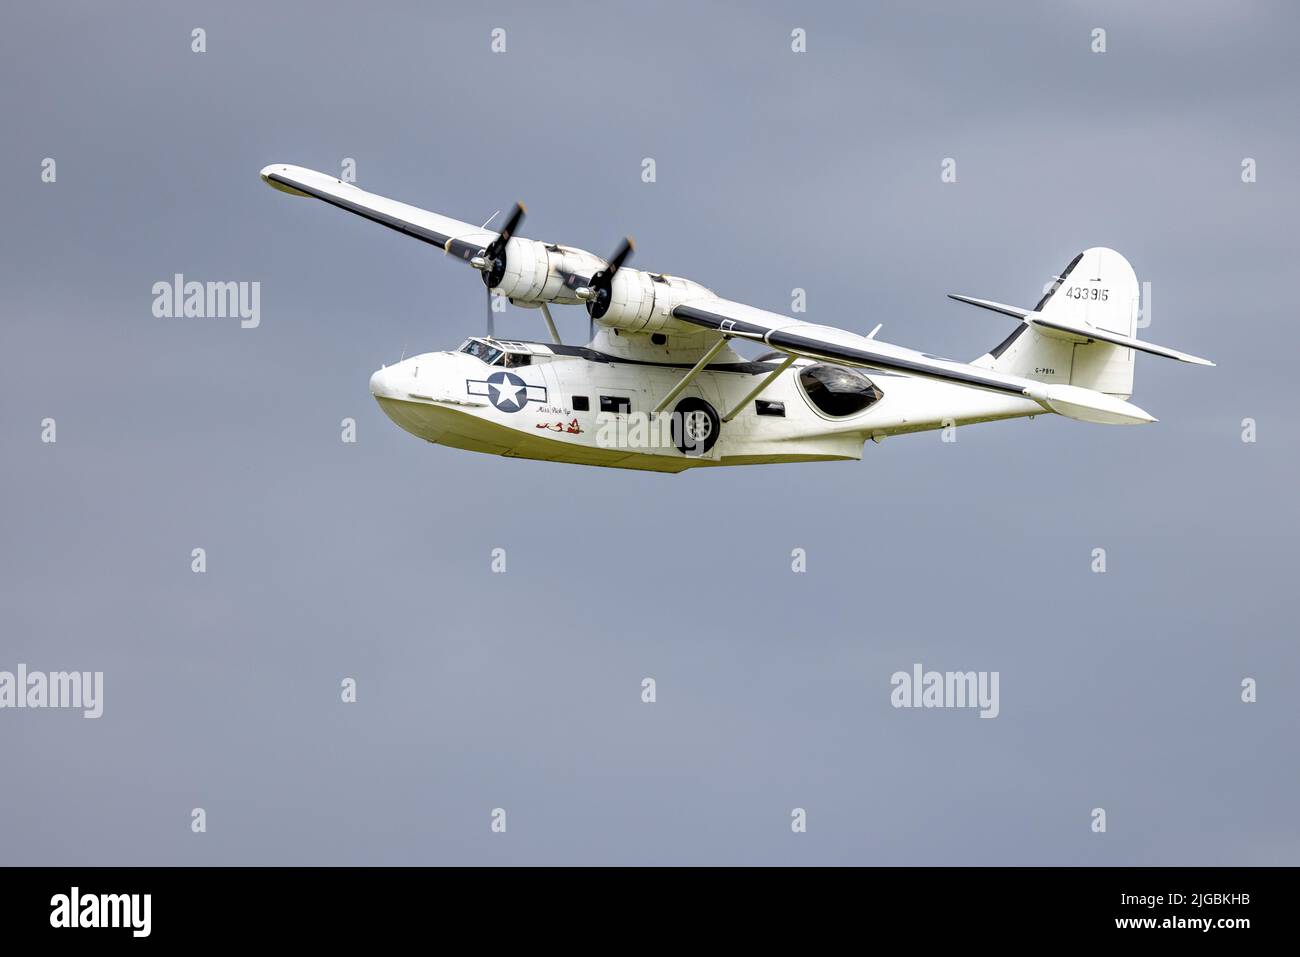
461, 240
827, 343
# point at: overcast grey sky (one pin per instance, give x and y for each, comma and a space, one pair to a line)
522, 691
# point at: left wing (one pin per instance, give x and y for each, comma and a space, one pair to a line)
524, 270
812, 341
455, 238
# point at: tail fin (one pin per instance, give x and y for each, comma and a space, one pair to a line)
1097, 292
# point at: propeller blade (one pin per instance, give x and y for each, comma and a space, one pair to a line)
620, 257
494, 257
516, 217
598, 293
491, 323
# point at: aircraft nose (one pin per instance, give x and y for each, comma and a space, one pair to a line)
380, 384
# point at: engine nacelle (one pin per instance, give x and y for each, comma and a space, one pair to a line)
536, 271
639, 301
644, 302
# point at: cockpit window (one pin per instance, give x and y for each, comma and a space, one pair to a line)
481, 350
838, 391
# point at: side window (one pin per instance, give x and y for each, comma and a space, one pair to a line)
764, 407
615, 403
581, 403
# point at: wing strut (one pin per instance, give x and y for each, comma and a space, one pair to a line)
687, 379
758, 389
550, 325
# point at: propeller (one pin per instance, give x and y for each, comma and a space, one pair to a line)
491, 262
597, 292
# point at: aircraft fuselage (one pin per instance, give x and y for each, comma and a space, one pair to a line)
585, 406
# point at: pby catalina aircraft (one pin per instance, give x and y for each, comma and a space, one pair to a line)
659, 387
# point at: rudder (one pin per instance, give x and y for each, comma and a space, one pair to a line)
1098, 289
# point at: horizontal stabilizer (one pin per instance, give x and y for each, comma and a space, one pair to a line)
1049, 327
1013, 311
1059, 328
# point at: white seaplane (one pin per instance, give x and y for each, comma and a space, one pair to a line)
659, 387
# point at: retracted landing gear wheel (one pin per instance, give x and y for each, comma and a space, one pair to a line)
695, 426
